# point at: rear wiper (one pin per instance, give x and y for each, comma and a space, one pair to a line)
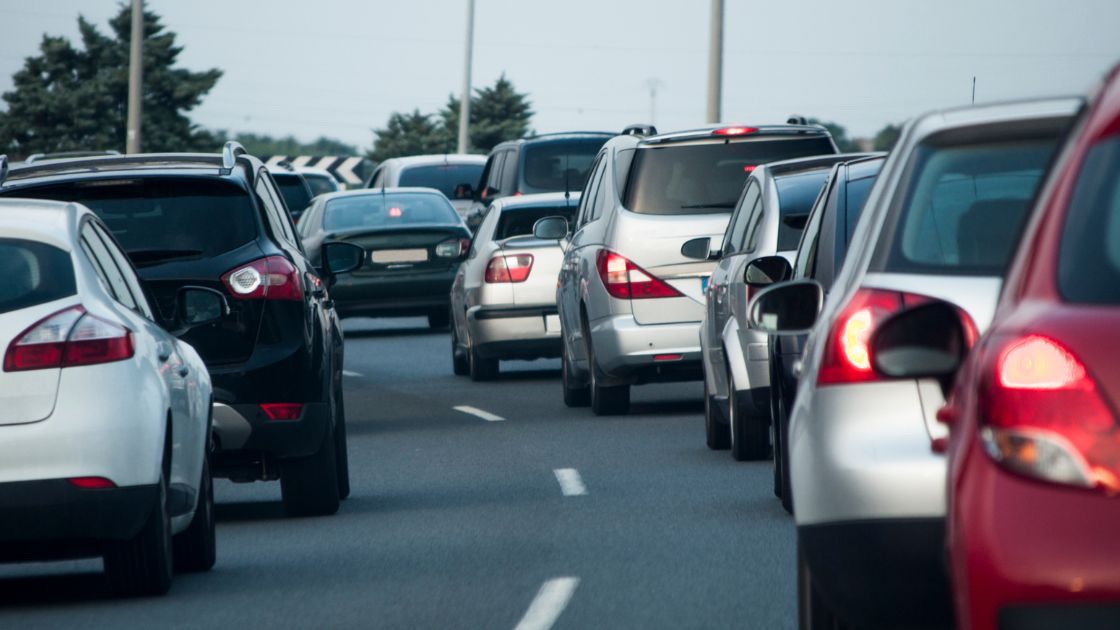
693, 206
144, 257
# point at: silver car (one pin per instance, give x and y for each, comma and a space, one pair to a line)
630, 302
767, 221
868, 491
503, 298
454, 175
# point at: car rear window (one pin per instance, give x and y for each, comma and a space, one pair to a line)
706, 177
320, 184
34, 273
519, 221
557, 165
446, 178
1089, 258
296, 193
965, 205
374, 210
158, 219
796, 194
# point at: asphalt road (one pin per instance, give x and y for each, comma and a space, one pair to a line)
457, 521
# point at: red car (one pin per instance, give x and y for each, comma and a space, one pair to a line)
1033, 525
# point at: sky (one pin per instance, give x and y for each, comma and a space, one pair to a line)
338, 68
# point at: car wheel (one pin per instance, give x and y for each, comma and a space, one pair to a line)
812, 612
750, 433
438, 320
460, 365
143, 564
574, 395
195, 549
605, 400
481, 368
342, 455
715, 426
309, 485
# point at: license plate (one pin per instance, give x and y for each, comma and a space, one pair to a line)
552, 324
388, 256
704, 283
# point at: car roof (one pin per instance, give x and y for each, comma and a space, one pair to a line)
135, 165
438, 158
1006, 111
560, 136
755, 131
802, 164
865, 167
50, 222
541, 200
359, 192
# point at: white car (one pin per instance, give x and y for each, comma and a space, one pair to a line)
104, 415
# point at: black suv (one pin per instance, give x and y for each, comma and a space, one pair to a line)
275, 359
557, 162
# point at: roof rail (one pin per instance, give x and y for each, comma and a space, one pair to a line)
230, 151
3, 168
797, 119
640, 129
64, 155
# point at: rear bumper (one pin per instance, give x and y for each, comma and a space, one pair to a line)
72, 520
400, 294
245, 427
515, 332
881, 574
626, 351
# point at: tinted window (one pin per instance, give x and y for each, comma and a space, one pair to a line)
855, 196
519, 221
321, 184
736, 232
1089, 260
443, 177
705, 178
557, 165
382, 211
796, 194
157, 219
965, 205
34, 273
294, 190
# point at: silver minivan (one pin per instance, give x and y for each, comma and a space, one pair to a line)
630, 302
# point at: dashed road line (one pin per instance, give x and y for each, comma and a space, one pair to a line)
570, 482
475, 411
548, 604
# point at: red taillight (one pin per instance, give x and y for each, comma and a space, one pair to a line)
68, 338
282, 411
1042, 415
272, 278
513, 268
91, 483
734, 131
625, 280
658, 358
749, 168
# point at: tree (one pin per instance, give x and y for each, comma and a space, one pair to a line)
839, 135
262, 144
407, 134
887, 136
69, 98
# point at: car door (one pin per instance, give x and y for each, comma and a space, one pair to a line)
573, 270
721, 284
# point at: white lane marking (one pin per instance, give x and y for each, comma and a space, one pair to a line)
570, 483
548, 604
349, 373
475, 411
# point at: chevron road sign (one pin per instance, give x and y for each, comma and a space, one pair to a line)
350, 170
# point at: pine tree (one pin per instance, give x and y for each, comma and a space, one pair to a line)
407, 134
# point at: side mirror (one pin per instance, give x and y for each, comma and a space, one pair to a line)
339, 257
767, 270
550, 228
198, 306
789, 308
927, 341
700, 249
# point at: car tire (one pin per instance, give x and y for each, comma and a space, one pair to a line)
341, 455
309, 485
195, 549
574, 395
438, 320
605, 400
480, 367
460, 364
750, 433
812, 612
716, 432
143, 565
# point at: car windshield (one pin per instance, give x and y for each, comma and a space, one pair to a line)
157, 219
34, 273
294, 190
1089, 260
374, 210
705, 177
796, 194
519, 221
450, 179
965, 206
557, 165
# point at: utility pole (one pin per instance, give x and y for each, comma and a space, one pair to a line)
973, 90
135, 73
715, 63
465, 99
653, 84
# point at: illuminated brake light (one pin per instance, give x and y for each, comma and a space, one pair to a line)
395, 212
734, 131
625, 280
749, 168
68, 338
91, 483
271, 278
282, 411
513, 268
1038, 363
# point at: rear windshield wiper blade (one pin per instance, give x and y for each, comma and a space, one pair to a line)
693, 206
143, 257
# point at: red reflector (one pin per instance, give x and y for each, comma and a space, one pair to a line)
282, 411
91, 483
668, 357
734, 131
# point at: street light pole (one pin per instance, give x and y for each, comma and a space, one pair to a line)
715, 63
465, 99
135, 72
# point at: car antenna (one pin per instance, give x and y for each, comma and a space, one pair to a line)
567, 186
